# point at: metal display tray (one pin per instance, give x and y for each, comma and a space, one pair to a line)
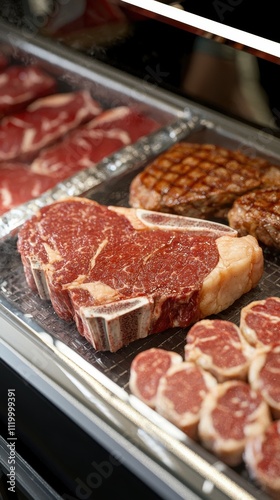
100, 379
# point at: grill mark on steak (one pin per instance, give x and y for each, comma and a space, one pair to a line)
258, 213
199, 180
162, 276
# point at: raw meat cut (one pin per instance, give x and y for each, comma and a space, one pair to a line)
89, 144
218, 346
262, 458
18, 185
199, 180
260, 322
45, 120
20, 85
146, 370
258, 213
264, 376
123, 274
180, 394
231, 413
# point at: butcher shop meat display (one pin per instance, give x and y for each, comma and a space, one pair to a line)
205, 180
20, 85
122, 274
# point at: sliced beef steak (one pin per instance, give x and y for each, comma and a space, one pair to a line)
180, 394
123, 274
18, 185
199, 180
262, 458
218, 346
260, 322
264, 376
258, 213
45, 120
231, 413
20, 85
89, 144
146, 370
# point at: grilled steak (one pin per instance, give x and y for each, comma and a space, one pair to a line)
258, 213
123, 274
199, 180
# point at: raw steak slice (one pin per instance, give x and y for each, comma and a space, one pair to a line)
258, 214
262, 458
89, 144
47, 119
123, 274
231, 413
260, 322
218, 346
18, 185
180, 394
199, 180
20, 85
264, 376
146, 370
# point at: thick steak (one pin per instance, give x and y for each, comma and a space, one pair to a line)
262, 458
20, 85
44, 121
264, 376
180, 395
218, 346
260, 322
199, 180
231, 413
146, 370
258, 213
123, 274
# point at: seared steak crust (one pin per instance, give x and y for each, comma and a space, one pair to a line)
258, 213
199, 180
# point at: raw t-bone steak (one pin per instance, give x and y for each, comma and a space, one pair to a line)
124, 273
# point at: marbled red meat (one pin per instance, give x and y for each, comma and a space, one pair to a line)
123, 274
180, 395
89, 144
262, 458
260, 321
217, 346
20, 85
146, 370
44, 121
264, 376
18, 185
231, 413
